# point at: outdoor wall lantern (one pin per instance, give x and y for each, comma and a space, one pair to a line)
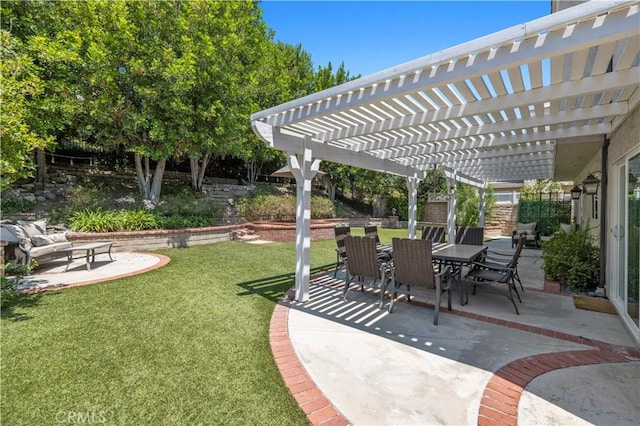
590, 184
575, 192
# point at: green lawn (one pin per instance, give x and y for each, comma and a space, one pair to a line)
185, 344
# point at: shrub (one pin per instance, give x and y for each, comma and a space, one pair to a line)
17, 205
321, 208
112, 221
186, 209
281, 208
177, 222
9, 278
136, 220
87, 196
573, 259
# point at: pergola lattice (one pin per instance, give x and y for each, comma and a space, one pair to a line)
496, 108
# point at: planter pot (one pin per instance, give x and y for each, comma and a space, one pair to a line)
552, 286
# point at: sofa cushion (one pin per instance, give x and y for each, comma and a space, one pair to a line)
41, 240
34, 228
48, 249
58, 237
528, 228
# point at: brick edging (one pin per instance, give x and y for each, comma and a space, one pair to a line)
311, 400
499, 404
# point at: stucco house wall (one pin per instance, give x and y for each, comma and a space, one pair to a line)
623, 139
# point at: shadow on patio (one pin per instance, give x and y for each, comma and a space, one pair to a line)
481, 363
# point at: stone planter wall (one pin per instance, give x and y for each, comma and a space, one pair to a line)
286, 231
159, 239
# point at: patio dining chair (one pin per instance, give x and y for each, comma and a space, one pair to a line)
505, 260
340, 233
435, 234
364, 265
470, 235
487, 272
413, 269
372, 231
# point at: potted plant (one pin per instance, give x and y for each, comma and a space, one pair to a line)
573, 259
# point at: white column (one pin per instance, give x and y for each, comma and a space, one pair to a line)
412, 187
481, 208
451, 216
304, 168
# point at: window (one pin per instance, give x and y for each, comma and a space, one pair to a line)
594, 206
506, 197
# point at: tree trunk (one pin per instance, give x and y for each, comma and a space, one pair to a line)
203, 168
142, 176
198, 170
195, 170
250, 165
253, 170
331, 189
157, 181
41, 172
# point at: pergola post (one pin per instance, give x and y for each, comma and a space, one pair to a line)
412, 187
451, 216
482, 205
304, 167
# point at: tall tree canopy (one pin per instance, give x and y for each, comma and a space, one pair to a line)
19, 83
163, 80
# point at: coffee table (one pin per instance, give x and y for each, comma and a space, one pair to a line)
90, 252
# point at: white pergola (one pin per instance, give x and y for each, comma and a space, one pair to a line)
501, 107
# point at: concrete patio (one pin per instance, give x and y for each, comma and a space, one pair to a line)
483, 364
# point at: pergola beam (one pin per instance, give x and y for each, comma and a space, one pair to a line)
274, 138
521, 100
514, 46
577, 115
409, 154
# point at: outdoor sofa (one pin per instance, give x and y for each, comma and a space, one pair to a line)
530, 231
27, 240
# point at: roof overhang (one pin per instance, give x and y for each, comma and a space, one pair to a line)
502, 107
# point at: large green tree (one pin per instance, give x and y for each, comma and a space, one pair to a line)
163, 80
285, 72
48, 39
19, 83
228, 40
138, 90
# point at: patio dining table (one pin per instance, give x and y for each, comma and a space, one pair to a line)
457, 255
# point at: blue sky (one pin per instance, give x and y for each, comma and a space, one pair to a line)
369, 36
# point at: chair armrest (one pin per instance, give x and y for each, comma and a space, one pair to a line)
444, 273
495, 260
491, 267
497, 253
445, 276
